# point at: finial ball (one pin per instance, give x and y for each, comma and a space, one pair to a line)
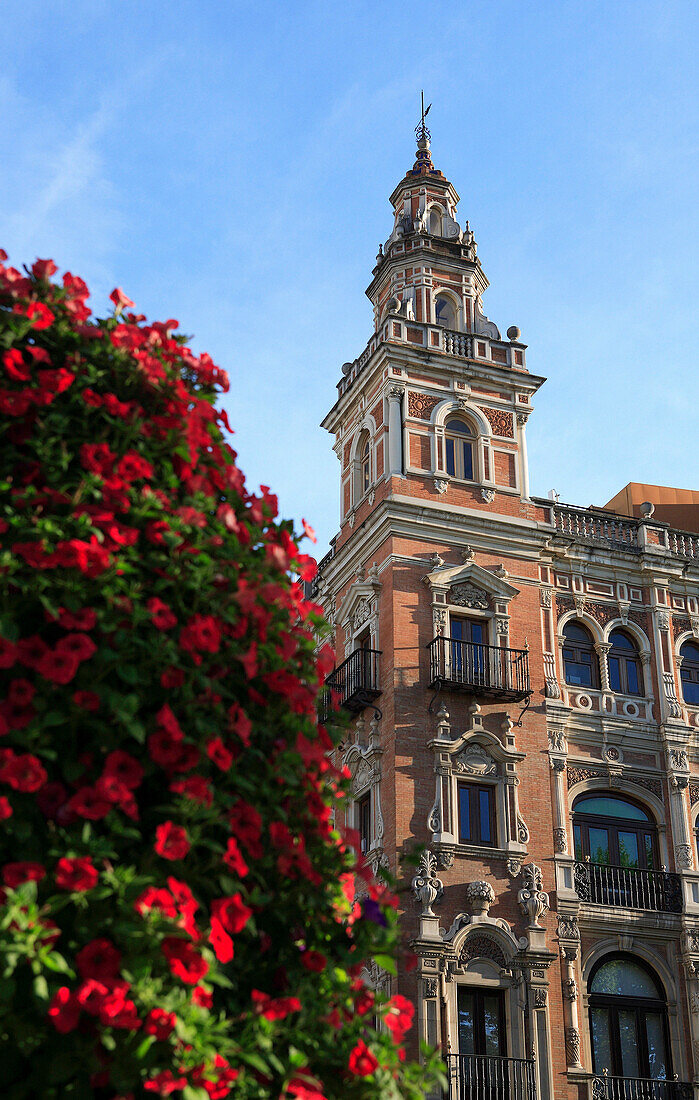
513, 332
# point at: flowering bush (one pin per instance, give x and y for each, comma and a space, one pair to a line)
177, 912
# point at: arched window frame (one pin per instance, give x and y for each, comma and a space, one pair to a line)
580, 819
628, 665
624, 787
596, 678
462, 409
360, 487
643, 650
454, 301
681, 659
435, 219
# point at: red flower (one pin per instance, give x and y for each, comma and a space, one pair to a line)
80, 646
219, 754
24, 773
133, 466
202, 997
314, 960
274, 1008
98, 458
195, 787
64, 1010
85, 619
160, 1023
171, 678
87, 700
124, 767
185, 963
233, 858
361, 1060
162, 615
246, 825
171, 841
203, 633
14, 874
44, 269
121, 300
58, 666
76, 874
99, 959
399, 1017
117, 1011
88, 802
232, 913
14, 365
240, 723
221, 942
165, 1083
5, 809
8, 653
39, 314
91, 995
21, 692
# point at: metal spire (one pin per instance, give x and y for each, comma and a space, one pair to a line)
421, 131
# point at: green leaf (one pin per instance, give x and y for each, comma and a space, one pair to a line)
386, 962
41, 987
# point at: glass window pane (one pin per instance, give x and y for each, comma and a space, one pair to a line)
494, 1046
457, 628
578, 675
605, 806
484, 798
614, 674
632, 678
464, 815
450, 456
459, 426
599, 845
658, 1067
648, 846
690, 691
601, 1044
468, 461
575, 632
467, 1042
476, 632
628, 849
690, 652
577, 835
621, 641
624, 978
628, 1043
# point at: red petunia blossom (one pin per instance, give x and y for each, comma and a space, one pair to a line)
221, 942
125, 767
91, 995
232, 913
89, 803
362, 1062
305, 1089
165, 1083
39, 314
233, 858
99, 959
21, 692
44, 269
172, 678
161, 614
185, 963
5, 808
202, 633
14, 874
399, 1017
80, 646
84, 619
24, 773
202, 997
195, 787
274, 1008
219, 754
133, 466
64, 1010
8, 653
58, 666
87, 700
97, 458
121, 300
117, 1010
171, 841
77, 874
160, 1023
15, 367
239, 723
246, 826
314, 961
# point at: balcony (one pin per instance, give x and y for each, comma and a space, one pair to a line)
628, 888
477, 1077
355, 683
640, 1088
488, 671
597, 526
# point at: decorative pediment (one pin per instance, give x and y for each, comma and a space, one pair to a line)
361, 601
475, 760
470, 582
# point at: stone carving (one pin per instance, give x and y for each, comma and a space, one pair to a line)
514, 866
545, 595
551, 687
681, 625
683, 856
613, 754
467, 554
475, 760
469, 595
434, 818
502, 626
522, 419
693, 791
691, 942
663, 620
420, 406
362, 613
426, 886
577, 775
533, 901
362, 776
557, 741
673, 705
480, 896
441, 485
501, 422
445, 857
429, 987
540, 998
568, 928
522, 830
570, 989
678, 759
560, 841
481, 947
694, 1001
372, 496
572, 1036
487, 496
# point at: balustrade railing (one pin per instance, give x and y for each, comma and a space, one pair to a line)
628, 887
456, 343
478, 1077
355, 683
684, 544
640, 1088
584, 524
487, 670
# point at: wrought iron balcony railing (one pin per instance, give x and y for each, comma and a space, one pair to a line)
628, 887
355, 683
477, 1077
486, 670
640, 1088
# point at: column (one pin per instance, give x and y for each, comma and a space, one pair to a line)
524, 462
602, 649
395, 432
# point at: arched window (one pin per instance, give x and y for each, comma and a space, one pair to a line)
614, 831
580, 665
624, 666
444, 312
458, 441
628, 1022
436, 221
362, 467
689, 673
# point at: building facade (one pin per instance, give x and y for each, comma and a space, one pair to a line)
524, 683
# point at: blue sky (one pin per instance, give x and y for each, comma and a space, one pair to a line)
229, 164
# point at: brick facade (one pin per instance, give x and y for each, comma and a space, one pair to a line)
460, 585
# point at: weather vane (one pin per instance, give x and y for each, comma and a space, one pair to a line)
421, 131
